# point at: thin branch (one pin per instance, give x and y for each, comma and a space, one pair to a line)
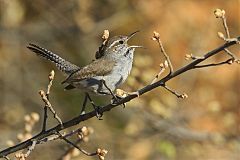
156, 37
45, 116
45, 113
163, 67
184, 95
48, 104
220, 13
228, 61
224, 20
230, 53
50, 77
234, 57
31, 148
74, 145
69, 151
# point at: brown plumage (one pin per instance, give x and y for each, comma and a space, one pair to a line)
99, 67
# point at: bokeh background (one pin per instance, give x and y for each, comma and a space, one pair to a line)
156, 125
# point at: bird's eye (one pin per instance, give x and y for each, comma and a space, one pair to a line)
121, 42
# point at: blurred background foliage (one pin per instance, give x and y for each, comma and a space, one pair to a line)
156, 125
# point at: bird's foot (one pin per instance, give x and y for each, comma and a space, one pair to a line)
98, 112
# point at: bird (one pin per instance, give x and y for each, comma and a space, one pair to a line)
103, 75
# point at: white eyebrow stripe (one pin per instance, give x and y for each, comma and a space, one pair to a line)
113, 44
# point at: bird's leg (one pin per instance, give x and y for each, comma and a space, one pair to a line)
114, 97
96, 108
84, 104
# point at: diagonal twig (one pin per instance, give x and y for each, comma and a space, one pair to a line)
48, 104
45, 112
156, 37
184, 95
30, 148
74, 145
228, 61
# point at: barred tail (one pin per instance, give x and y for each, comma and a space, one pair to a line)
63, 65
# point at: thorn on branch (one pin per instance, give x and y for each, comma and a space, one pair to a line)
156, 37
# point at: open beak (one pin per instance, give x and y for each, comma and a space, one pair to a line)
131, 35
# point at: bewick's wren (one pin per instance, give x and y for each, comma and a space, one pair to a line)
112, 66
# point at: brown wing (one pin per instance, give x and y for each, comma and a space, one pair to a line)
99, 67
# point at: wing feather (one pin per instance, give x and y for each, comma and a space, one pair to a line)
99, 67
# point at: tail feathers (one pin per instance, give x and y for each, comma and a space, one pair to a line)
63, 65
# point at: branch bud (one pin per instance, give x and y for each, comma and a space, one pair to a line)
188, 56
221, 35
237, 61
42, 93
105, 36
219, 13
51, 75
161, 65
35, 116
166, 64
27, 118
121, 93
101, 153
156, 36
183, 96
